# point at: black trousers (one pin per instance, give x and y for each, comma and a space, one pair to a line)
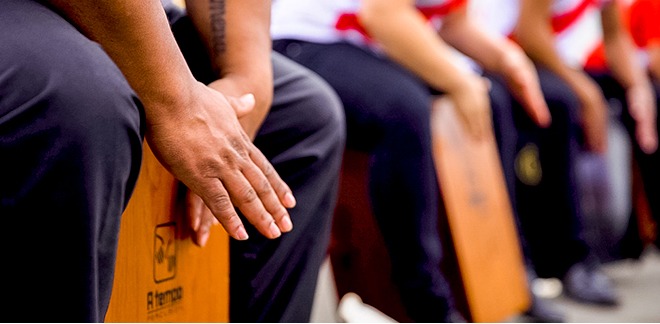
388, 116
303, 136
70, 152
547, 193
649, 164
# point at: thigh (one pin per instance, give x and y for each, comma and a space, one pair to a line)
379, 96
303, 136
70, 148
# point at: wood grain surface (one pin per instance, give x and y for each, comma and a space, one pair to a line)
160, 275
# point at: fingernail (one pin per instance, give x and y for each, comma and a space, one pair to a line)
274, 230
289, 200
248, 99
203, 239
241, 234
286, 224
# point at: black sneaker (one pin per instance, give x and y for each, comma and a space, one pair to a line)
588, 284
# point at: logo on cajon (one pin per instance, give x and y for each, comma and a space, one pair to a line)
165, 252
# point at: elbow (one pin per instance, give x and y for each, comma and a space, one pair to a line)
373, 12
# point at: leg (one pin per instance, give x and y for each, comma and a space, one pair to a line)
388, 113
552, 226
303, 136
70, 142
648, 163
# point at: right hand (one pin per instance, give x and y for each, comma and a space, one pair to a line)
202, 143
473, 106
594, 115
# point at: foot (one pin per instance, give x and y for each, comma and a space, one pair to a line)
542, 311
588, 284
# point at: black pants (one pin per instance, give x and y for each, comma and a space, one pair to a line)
546, 190
70, 151
303, 137
388, 116
649, 164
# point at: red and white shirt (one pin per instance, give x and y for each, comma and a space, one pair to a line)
576, 25
329, 21
642, 17
579, 32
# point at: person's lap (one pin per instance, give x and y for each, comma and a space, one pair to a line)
70, 141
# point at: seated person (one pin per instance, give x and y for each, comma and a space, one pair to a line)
642, 19
72, 119
388, 60
298, 124
571, 38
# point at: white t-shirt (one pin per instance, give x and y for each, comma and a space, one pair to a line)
329, 21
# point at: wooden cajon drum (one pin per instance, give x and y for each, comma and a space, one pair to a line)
480, 219
483, 261
360, 262
160, 275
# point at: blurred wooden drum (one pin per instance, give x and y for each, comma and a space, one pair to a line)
160, 275
480, 219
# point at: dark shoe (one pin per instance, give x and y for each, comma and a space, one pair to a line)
542, 311
586, 283
454, 316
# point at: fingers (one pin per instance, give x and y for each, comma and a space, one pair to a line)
193, 209
647, 136
200, 218
268, 196
643, 111
257, 190
534, 103
483, 124
204, 231
596, 135
247, 199
473, 108
595, 123
242, 105
218, 200
204, 145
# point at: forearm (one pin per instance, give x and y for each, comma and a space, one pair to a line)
654, 61
407, 39
490, 51
237, 37
136, 35
535, 36
620, 51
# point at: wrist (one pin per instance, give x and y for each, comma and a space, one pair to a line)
238, 84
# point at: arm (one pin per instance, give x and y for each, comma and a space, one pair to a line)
620, 53
534, 34
499, 56
654, 60
237, 39
407, 39
237, 36
191, 128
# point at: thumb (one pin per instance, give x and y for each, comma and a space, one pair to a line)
243, 105
647, 137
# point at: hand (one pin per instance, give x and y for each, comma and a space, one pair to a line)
242, 105
473, 106
594, 114
201, 142
523, 82
200, 218
641, 104
234, 85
